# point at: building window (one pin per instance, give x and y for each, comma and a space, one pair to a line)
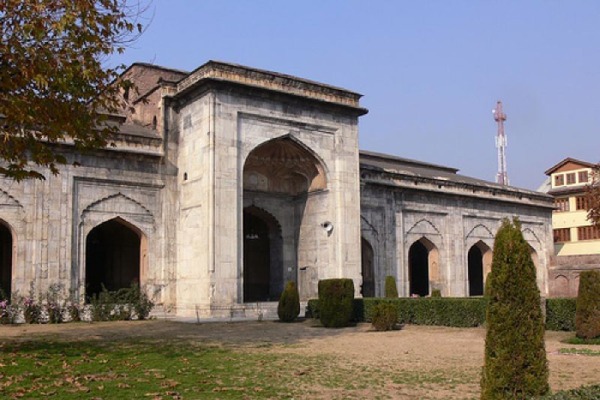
583, 177
582, 203
588, 232
562, 235
571, 178
561, 204
559, 180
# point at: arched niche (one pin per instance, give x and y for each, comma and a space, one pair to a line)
114, 256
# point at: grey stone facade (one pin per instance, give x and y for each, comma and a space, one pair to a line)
230, 181
406, 201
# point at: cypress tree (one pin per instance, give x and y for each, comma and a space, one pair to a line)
515, 356
391, 291
587, 314
288, 308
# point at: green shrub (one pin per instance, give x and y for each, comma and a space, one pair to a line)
391, 291
288, 308
120, 305
587, 317
560, 314
515, 357
141, 303
336, 302
385, 316
436, 293
312, 309
74, 312
581, 393
101, 305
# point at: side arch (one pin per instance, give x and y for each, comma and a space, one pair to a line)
479, 264
7, 250
367, 268
115, 256
423, 266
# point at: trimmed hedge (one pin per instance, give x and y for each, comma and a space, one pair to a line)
336, 302
464, 312
560, 314
385, 316
458, 312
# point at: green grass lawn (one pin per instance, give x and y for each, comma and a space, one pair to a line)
40, 369
154, 369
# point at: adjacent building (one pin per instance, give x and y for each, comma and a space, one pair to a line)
228, 181
576, 240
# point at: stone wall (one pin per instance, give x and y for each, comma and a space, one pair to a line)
563, 274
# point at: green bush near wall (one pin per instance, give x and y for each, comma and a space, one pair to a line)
560, 314
336, 298
449, 311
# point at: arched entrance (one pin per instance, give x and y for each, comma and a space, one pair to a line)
281, 178
479, 261
263, 256
6, 246
112, 258
368, 270
422, 266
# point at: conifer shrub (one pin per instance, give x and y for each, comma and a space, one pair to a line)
587, 316
288, 308
384, 316
515, 357
391, 290
336, 302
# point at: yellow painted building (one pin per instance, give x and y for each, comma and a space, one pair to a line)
573, 233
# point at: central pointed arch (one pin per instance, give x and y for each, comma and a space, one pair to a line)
283, 178
283, 165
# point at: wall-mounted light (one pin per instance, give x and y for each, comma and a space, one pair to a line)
328, 226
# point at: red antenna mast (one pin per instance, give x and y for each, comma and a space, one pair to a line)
501, 143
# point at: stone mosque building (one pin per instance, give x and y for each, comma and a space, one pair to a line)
228, 181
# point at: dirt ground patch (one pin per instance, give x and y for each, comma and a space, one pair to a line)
414, 362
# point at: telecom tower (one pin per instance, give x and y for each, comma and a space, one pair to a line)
500, 117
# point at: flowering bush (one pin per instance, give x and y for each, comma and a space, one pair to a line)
32, 311
55, 305
74, 312
5, 312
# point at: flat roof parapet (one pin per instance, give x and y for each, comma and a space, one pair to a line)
220, 71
